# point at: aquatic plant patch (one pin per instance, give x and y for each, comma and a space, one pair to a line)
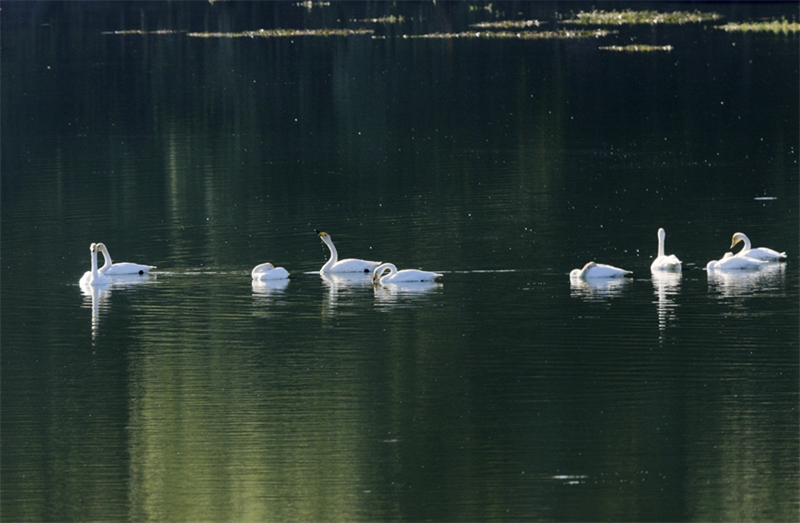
140, 32
522, 35
507, 24
637, 48
774, 26
285, 33
640, 17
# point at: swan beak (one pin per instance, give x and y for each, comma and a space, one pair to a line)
735, 241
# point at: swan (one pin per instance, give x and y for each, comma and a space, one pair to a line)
334, 264
761, 253
663, 262
94, 277
729, 262
114, 269
597, 270
267, 271
406, 275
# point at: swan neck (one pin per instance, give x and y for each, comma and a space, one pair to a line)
107, 258
660, 245
94, 263
334, 255
746, 241
392, 270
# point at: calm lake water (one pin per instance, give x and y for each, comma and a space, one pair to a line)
499, 393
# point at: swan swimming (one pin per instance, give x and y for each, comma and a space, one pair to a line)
729, 262
760, 253
597, 270
663, 262
406, 275
114, 269
267, 271
94, 277
334, 264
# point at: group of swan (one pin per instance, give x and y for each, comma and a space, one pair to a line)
747, 259
266, 271
100, 276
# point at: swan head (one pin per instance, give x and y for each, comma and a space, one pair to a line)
101, 247
662, 234
589, 265
268, 266
739, 237
93, 247
324, 236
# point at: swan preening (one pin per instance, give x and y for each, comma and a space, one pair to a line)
94, 277
594, 270
334, 264
404, 276
267, 271
729, 262
114, 269
664, 262
760, 253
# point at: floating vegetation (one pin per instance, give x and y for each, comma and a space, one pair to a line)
308, 4
773, 26
487, 8
524, 35
391, 19
508, 24
640, 17
285, 33
140, 32
637, 48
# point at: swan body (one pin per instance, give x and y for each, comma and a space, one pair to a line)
760, 253
663, 262
598, 270
94, 277
729, 262
267, 271
334, 264
114, 269
406, 275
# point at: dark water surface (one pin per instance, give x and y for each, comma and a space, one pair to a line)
499, 393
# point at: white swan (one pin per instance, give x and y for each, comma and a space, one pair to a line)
729, 262
597, 270
267, 271
334, 264
94, 277
113, 269
406, 275
760, 253
663, 262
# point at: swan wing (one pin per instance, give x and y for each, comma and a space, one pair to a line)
126, 268
765, 254
601, 270
666, 263
354, 265
411, 275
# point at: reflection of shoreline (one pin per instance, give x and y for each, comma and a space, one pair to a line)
597, 289
768, 280
666, 285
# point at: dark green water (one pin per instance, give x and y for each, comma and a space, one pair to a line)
500, 393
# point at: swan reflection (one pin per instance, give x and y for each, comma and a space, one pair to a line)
598, 289
98, 298
768, 279
344, 284
666, 285
265, 288
396, 293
